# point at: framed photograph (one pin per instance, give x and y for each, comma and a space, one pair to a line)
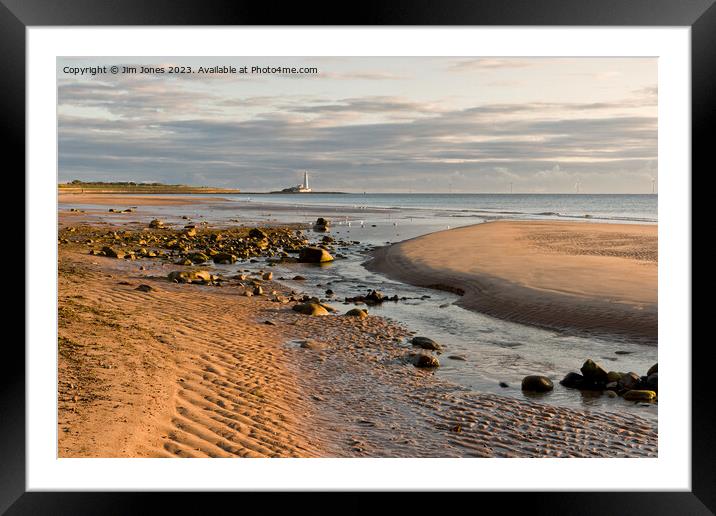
420, 248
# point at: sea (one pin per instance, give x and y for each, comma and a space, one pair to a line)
495, 352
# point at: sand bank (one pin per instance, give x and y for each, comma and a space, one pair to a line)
593, 278
124, 200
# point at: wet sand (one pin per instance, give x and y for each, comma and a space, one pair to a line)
595, 278
194, 371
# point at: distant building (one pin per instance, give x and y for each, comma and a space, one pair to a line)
302, 188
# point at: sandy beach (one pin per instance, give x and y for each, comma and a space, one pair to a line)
187, 370
124, 200
580, 277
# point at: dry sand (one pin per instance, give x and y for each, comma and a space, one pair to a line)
124, 200
588, 277
194, 371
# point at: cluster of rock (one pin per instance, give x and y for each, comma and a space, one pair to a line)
373, 297
593, 377
194, 245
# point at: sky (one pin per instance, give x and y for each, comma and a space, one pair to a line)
373, 124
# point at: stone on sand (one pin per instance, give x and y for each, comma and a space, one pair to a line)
310, 309
314, 255
537, 383
425, 343
357, 312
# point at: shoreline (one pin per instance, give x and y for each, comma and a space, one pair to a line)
552, 274
200, 373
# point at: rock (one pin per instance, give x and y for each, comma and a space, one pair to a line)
537, 383
144, 288
628, 381
458, 357
299, 278
612, 386
310, 344
191, 277
375, 297
310, 309
426, 361
357, 312
257, 233
594, 372
267, 276
270, 323
572, 380
198, 258
652, 382
190, 232
504, 385
113, 253
653, 369
612, 394
258, 291
156, 223
321, 224
613, 376
327, 307
425, 343
224, 258
640, 395
314, 255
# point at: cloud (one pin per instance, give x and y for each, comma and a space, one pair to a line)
488, 63
164, 130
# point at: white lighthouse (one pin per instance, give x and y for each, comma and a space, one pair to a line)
302, 188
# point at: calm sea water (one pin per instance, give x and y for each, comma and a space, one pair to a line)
623, 208
496, 350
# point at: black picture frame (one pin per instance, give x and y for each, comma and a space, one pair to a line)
699, 15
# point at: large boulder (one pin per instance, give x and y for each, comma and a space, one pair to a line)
537, 383
314, 255
310, 309
425, 343
572, 380
594, 372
